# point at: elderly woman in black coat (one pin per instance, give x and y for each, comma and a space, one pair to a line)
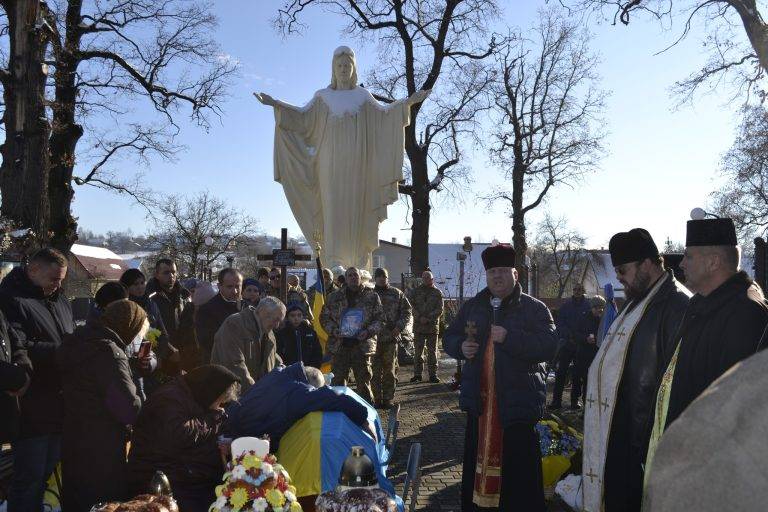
177, 433
100, 402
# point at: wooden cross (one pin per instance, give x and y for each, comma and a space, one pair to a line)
590, 401
470, 330
591, 475
604, 404
283, 268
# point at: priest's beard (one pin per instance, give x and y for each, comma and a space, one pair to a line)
638, 286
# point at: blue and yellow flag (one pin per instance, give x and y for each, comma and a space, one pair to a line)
317, 308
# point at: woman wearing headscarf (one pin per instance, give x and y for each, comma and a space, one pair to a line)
177, 433
100, 402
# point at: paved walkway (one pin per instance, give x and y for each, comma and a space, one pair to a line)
430, 415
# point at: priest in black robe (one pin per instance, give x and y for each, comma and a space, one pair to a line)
724, 323
504, 335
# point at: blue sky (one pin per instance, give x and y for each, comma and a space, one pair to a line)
661, 161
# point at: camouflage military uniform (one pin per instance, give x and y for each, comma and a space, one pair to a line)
397, 314
298, 296
353, 353
427, 303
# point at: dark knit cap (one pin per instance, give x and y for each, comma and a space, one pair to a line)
251, 282
294, 306
380, 272
501, 255
109, 293
208, 382
633, 245
125, 317
710, 232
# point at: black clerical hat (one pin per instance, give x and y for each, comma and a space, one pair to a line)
501, 255
710, 232
633, 245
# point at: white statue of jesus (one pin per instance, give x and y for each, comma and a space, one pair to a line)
339, 159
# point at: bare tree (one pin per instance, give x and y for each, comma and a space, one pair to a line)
422, 45
25, 40
744, 195
104, 58
560, 256
733, 58
548, 108
182, 225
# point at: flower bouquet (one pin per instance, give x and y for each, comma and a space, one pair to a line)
254, 484
559, 443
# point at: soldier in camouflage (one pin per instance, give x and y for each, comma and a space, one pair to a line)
298, 296
352, 317
398, 320
427, 303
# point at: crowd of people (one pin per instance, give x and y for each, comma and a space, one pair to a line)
142, 385
637, 377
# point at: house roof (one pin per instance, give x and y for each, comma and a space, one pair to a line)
99, 262
604, 273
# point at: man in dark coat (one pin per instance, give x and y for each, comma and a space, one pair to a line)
100, 403
297, 341
41, 315
166, 291
586, 342
723, 324
283, 397
13, 380
212, 314
569, 319
504, 336
623, 377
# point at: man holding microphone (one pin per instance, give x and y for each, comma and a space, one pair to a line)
505, 336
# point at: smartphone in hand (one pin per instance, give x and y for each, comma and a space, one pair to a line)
144, 349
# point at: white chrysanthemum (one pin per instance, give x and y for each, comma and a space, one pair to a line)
238, 473
289, 496
221, 502
260, 505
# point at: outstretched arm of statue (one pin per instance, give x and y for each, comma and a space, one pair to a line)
266, 99
418, 97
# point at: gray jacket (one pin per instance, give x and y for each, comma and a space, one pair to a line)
243, 347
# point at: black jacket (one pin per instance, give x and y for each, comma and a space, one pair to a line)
291, 342
41, 323
653, 342
177, 436
718, 331
208, 319
13, 376
520, 375
100, 401
170, 305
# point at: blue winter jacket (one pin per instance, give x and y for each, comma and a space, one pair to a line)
520, 375
283, 397
569, 318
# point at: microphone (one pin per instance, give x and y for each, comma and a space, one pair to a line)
495, 304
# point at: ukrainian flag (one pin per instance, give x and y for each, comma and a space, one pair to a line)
317, 307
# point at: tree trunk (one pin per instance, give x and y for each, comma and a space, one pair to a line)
24, 171
756, 28
519, 240
419, 201
66, 134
